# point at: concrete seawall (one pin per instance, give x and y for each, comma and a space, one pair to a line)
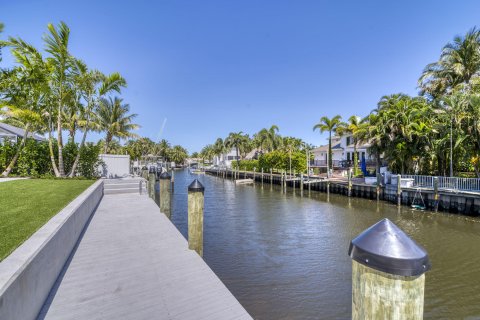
466, 203
29, 273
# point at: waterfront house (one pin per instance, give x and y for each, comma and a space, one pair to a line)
13, 134
342, 153
225, 160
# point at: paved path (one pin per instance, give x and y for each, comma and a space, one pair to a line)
132, 263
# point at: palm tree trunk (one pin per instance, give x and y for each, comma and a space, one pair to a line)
61, 167
50, 148
355, 160
77, 158
108, 138
377, 155
329, 164
17, 154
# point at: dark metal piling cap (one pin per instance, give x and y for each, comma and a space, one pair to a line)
144, 168
196, 186
385, 247
165, 176
151, 170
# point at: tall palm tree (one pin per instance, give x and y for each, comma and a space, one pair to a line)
113, 118
178, 154
91, 86
162, 148
237, 140
219, 148
56, 43
459, 62
329, 125
1, 30
352, 127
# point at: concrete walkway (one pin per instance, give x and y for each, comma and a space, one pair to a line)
132, 263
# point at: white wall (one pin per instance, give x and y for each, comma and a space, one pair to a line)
116, 166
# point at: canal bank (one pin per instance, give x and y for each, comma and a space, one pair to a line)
451, 201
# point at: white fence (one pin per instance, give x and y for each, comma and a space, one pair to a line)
450, 183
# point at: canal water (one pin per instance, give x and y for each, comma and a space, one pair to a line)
284, 256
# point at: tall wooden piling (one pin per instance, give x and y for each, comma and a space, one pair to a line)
271, 177
301, 182
156, 196
436, 196
399, 190
195, 216
262, 177
254, 171
388, 274
165, 195
145, 173
151, 182
173, 181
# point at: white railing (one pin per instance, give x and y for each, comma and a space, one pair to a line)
450, 183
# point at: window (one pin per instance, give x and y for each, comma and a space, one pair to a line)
348, 140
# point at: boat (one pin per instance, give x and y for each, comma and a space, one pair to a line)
244, 181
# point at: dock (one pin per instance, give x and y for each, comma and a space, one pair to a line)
132, 263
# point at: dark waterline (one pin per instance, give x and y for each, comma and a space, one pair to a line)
284, 256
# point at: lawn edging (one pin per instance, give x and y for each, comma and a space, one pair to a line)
28, 274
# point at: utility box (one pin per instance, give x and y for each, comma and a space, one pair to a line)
114, 165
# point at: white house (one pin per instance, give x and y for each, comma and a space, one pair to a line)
225, 160
342, 152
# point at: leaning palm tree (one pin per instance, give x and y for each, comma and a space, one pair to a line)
113, 118
459, 62
329, 125
352, 127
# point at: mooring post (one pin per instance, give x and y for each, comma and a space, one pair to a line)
254, 171
399, 190
285, 180
173, 181
271, 176
195, 216
140, 186
301, 181
262, 176
379, 185
156, 196
349, 173
151, 182
436, 196
388, 274
328, 187
145, 173
165, 201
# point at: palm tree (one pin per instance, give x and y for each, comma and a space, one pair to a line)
237, 140
162, 148
1, 30
352, 127
459, 62
113, 118
329, 125
91, 85
56, 43
178, 154
24, 89
219, 147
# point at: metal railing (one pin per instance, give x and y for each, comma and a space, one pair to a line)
449, 183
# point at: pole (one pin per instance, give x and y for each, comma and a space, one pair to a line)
271, 177
151, 182
156, 197
254, 171
262, 176
165, 199
436, 196
379, 183
451, 148
349, 173
195, 216
388, 274
399, 190
173, 181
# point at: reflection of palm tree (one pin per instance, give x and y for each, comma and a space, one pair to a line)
329, 125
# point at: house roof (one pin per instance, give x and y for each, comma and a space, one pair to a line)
7, 130
337, 146
321, 148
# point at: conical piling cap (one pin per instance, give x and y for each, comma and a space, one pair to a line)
165, 176
385, 247
151, 170
144, 168
196, 186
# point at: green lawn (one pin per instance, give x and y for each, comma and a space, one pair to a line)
26, 205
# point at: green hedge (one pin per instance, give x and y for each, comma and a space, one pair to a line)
275, 160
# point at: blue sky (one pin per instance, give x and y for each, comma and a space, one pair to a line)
213, 67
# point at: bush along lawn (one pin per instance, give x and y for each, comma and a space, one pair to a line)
26, 205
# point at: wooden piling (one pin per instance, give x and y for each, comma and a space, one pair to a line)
379, 185
271, 176
156, 196
173, 181
399, 190
301, 182
151, 182
436, 196
195, 216
262, 177
165, 197
254, 171
388, 274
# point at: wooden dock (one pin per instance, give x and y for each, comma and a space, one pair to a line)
132, 263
